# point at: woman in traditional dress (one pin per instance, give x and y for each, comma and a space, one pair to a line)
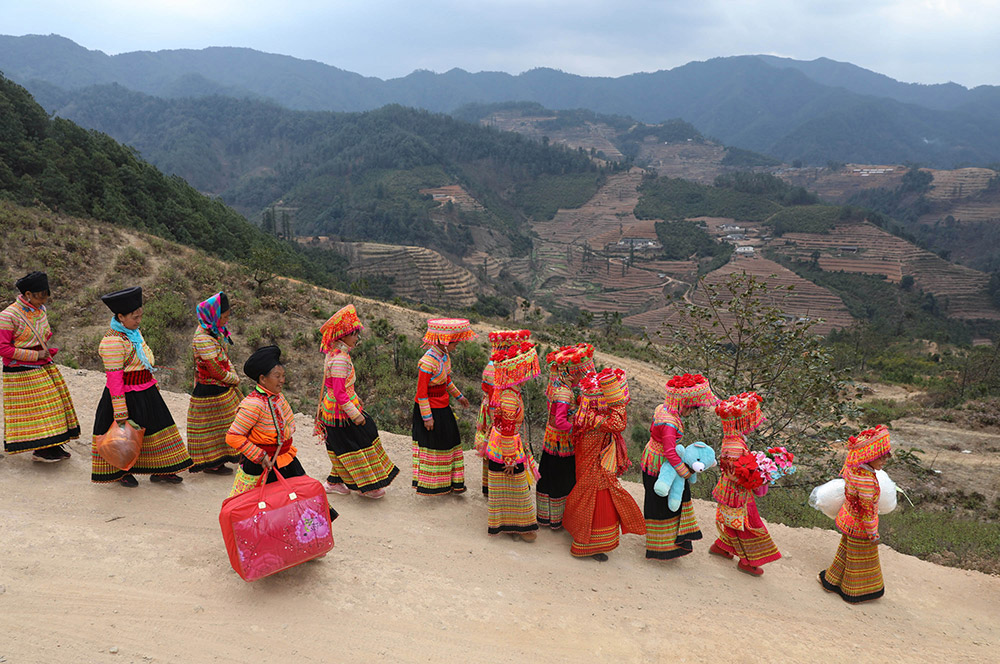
598, 505
558, 465
742, 532
856, 574
499, 340
669, 533
38, 414
438, 464
358, 462
131, 394
511, 469
215, 397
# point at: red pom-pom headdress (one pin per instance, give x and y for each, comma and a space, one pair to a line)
740, 414
688, 390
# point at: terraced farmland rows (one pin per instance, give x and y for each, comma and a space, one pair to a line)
865, 248
805, 301
959, 183
419, 274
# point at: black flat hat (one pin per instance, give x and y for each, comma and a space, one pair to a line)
35, 282
124, 301
261, 362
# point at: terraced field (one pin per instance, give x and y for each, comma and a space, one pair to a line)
867, 249
805, 301
837, 186
591, 135
697, 162
958, 183
456, 194
419, 274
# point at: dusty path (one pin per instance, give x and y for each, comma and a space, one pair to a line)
87, 568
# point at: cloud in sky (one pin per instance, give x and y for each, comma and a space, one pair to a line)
925, 41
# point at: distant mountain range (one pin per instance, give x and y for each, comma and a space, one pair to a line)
810, 111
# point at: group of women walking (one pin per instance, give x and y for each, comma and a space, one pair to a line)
577, 483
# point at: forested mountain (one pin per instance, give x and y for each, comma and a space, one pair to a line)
813, 111
56, 163
352, 175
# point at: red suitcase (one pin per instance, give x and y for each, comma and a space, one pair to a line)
276, 526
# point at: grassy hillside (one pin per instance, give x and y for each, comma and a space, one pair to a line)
86, 258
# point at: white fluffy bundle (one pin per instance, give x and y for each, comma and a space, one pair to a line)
829, 498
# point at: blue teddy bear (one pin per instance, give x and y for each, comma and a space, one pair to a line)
698, 456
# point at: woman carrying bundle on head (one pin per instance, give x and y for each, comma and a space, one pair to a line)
216, 395
438, 464
558, 465
358, 462
511, 469
598, 505
131, 394
856, 573
38, 413
499, 340
669, 533
742, 532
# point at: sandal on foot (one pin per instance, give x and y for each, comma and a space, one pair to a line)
374, 495
715, 550
221, 469
169, 479
129, 481
529, 536
747, 568
600, 557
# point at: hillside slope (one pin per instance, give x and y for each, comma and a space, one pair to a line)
416, 579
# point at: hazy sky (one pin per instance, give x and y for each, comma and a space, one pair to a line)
924, 41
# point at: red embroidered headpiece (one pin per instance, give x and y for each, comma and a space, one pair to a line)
615, 386
445, 330
740, 413
689, 390
867, 446
340, 324
515, 365
501, 339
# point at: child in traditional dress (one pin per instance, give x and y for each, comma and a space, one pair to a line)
438, 463
856, 574
598, 506
742, 532
358, 461
511, 468
558, 464
669, 533
499, 340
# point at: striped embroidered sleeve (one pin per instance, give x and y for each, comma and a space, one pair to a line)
340, 368
423, 400
113, 351
453, 388
867, 497
615, 420
247, 416
9, 329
